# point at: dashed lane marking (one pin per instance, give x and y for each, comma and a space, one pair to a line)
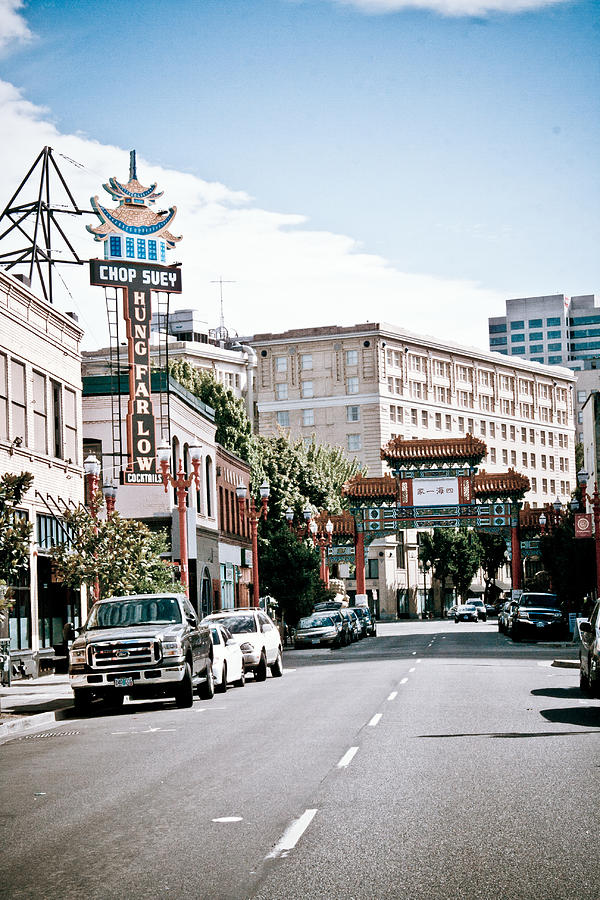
393, 695
411, 670
227, 820
292, 835
347, 758
403, 680
375, 720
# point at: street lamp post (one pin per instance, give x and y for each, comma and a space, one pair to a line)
324, 541
180, 482
542, 520
289, 518
249, 507
110, 496
91, 467
594, 501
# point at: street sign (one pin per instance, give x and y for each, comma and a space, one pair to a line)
583, 525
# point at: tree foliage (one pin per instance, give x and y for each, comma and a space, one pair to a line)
234, 430
493, 556
289, 571
465, 560
569, 562
451, 553
123, 554
298, 475
15, 533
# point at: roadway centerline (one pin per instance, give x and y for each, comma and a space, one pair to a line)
393, 695
375, 720
292, 835
347, 758
411, 670
403, 680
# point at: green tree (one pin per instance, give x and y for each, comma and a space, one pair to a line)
436, 554
300, 475
122, 554
493, 556
570, 564
234, 430
15, 534
466, 557
289, 571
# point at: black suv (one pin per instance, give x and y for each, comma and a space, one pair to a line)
143, 646
538, 616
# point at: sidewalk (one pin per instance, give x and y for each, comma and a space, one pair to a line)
28, 703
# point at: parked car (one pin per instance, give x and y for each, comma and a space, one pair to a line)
481, 610
491, 609
366, 620
452, 611
354, 629
228, 659
536, 616
319, 630
258, 637
141, 646
505, 616
589, 654
466, 613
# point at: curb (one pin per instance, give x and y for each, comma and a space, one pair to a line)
566, 663
38, 720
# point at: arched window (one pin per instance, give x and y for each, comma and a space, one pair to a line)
209, 467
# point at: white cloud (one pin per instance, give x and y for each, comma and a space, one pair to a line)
12, 25
286, 275
450, 7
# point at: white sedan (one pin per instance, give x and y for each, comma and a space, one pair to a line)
228, 659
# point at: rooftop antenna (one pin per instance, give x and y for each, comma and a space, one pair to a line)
221, 333
33, 224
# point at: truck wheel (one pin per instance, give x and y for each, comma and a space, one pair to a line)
206, 690
221, 687
81, 700
260, 672
277, 667
184, 697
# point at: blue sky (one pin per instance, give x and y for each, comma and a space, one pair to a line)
459, 151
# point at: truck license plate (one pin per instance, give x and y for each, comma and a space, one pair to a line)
124, 682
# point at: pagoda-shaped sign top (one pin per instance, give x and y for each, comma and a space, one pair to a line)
132, 230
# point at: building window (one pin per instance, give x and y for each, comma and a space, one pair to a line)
281, 363
524, 459
306, 361
517, 338
18, 401
498, 342
129, 248
513, 434
532, 457
513, 457
352, 385
40, 417
461, 423
438, 421
307, 389
354, 442
308, 417
152, 250
492, 454
351, 357
417, 390
163, 257
535, 323
3, 399
372, 568
448, 423
531, 436
517, 325
492, 429
581, 396
353, 414
498, 329
141, 248
524, 435
483, 427
503, 431
281, 391
505, 457
424, 418
552, 486
283, 418
535, 336
544, 485
534, 485
414, 417
114, 245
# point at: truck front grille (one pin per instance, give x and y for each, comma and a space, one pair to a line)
112, 654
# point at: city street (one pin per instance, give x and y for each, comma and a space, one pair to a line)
434, 761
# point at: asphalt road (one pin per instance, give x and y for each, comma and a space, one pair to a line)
434, 761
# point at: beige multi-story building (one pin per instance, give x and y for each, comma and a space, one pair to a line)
358, 386
40, 433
